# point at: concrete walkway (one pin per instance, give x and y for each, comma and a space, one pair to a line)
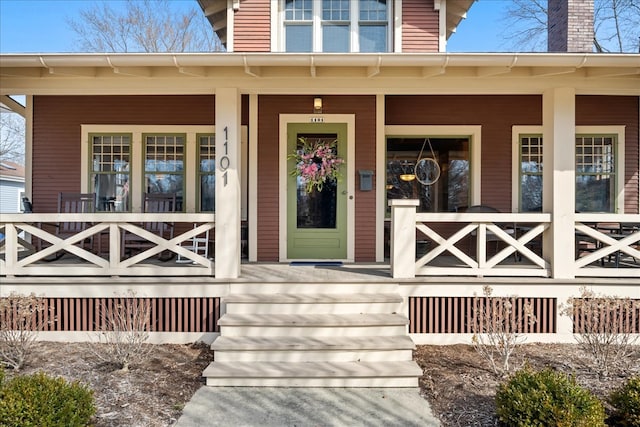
266, 406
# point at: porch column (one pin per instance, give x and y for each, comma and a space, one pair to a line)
403, 238
227, 243
559, 179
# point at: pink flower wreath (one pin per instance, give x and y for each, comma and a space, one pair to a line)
316, 163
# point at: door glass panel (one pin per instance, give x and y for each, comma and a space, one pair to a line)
317, 209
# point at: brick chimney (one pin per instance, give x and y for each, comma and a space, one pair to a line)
570, 26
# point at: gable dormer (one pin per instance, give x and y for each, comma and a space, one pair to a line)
334, 25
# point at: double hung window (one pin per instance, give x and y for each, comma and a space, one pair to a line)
598, 187
164, 165
595, 173
110, 171
530, 173
207, 172
336, 25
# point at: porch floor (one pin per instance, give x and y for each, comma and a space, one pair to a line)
285, 272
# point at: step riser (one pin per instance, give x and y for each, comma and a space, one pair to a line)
313, 382
349, 331
345, 308
313, 356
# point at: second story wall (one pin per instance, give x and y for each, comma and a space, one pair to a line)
252, 26
420, 26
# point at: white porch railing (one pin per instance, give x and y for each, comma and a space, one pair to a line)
30, 242
462, 250
512, 234
607, 245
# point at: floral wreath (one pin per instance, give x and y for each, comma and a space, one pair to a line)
316, 163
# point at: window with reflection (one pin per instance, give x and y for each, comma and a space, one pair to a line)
530, 173
207, 172
449, 193
595, 173
336, 25
110, 171
164, 165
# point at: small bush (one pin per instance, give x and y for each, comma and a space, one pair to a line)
41, 400
626, 401
498, 326
124, 331
21, 318
604, 328
546, 398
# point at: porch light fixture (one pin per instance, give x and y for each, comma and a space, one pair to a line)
317, 105
408, 177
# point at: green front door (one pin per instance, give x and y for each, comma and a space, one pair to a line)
317, 218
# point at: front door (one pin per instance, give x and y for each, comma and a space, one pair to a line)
316, 210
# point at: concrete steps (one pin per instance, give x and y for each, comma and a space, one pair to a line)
345, 336
313, 349
313, 374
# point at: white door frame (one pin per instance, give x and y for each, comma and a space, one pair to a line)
350, 121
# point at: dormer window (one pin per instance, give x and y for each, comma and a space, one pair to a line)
336, 26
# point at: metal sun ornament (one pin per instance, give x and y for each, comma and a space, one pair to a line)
316, 162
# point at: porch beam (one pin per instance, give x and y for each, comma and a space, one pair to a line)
228, 206
559, 178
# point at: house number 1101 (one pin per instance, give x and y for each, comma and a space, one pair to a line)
224, 160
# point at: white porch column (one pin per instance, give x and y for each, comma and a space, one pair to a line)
228, 218
403, 238
559, 178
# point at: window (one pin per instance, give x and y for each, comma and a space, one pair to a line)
599, 155
450, 192
164, 165
595, 173
530, 173
336, 26
207, 173
373, 26
110, 161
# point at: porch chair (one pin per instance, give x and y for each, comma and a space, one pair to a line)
198, 244
73, 203
153, 203
490, 236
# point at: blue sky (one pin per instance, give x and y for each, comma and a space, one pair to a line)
40, 26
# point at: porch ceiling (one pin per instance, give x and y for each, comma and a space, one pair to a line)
306, 73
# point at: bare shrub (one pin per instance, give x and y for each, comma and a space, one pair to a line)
124, 331
606, 327
497, 324
21, 318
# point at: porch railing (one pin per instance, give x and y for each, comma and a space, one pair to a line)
30, 245
455, 244
607, 245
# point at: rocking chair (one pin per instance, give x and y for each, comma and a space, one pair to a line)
153, 203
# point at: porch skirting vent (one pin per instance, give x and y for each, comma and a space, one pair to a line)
453, 315
167, 314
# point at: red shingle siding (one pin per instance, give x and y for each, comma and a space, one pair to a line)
252, 26
496, 115
616, 110
268, 117
57, 138
420, 24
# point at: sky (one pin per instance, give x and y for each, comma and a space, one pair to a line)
40, 26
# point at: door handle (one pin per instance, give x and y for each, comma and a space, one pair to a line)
344, 192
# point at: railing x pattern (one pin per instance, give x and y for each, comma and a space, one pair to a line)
30, 243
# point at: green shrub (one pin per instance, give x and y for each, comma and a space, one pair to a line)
546, 398
626, 400
41, 400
